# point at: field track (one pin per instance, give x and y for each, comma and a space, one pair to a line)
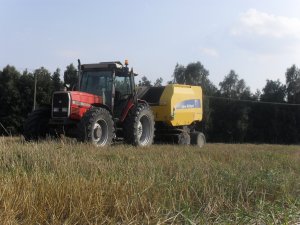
63, 182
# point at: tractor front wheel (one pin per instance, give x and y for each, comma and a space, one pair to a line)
139, 126
96, 127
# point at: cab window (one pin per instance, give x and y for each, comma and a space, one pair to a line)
123, 85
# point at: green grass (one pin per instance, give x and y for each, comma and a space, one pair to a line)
68, 183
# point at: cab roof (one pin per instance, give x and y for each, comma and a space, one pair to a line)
103, 65
107, 65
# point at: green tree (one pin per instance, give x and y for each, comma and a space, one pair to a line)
26, 88
71, 77
274, 91
158, 82
292, 76
44, 88
145, 82
232, 87
194, 74
56, 82
10, 100
257, 94
179, 74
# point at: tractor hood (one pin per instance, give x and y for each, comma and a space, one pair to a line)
73, 104
84, 99
81, 102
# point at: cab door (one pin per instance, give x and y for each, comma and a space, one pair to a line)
123, 91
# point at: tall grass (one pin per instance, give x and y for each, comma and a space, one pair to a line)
69, 183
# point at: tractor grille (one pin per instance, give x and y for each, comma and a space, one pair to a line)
61, 105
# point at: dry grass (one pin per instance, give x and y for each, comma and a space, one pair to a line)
69, 183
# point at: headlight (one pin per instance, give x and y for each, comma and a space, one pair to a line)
64, 109
81, 103
55, 109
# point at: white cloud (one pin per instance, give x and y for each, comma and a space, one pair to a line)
210, 52
256, 23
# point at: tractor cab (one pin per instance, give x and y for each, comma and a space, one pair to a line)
112, 81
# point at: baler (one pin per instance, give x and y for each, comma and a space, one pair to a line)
178, 112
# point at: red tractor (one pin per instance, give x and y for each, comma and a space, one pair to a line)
105, 107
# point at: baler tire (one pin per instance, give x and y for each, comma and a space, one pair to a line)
184, 139
138, 127
36, 125
198, 138
96, 127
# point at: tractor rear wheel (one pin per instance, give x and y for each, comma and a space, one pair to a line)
96, 127
36, 125
139, 126
198, 138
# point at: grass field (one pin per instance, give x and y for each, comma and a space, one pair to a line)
69, 183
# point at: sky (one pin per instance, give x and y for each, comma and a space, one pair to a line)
259, 39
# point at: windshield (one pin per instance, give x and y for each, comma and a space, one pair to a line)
97, 83
123, 85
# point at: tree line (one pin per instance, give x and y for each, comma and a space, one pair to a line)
17, 91
232, 113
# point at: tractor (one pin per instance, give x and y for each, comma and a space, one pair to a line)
107, 107
104, 107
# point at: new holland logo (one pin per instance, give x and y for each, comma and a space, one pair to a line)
189, 104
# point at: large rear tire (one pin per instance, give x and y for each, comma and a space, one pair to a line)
96, 127
139, 126
36, 126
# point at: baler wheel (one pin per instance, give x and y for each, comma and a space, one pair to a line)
184, 138
198, 138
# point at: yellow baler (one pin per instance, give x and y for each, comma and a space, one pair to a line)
178, 111
179, 105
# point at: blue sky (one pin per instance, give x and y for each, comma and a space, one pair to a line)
259, 39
